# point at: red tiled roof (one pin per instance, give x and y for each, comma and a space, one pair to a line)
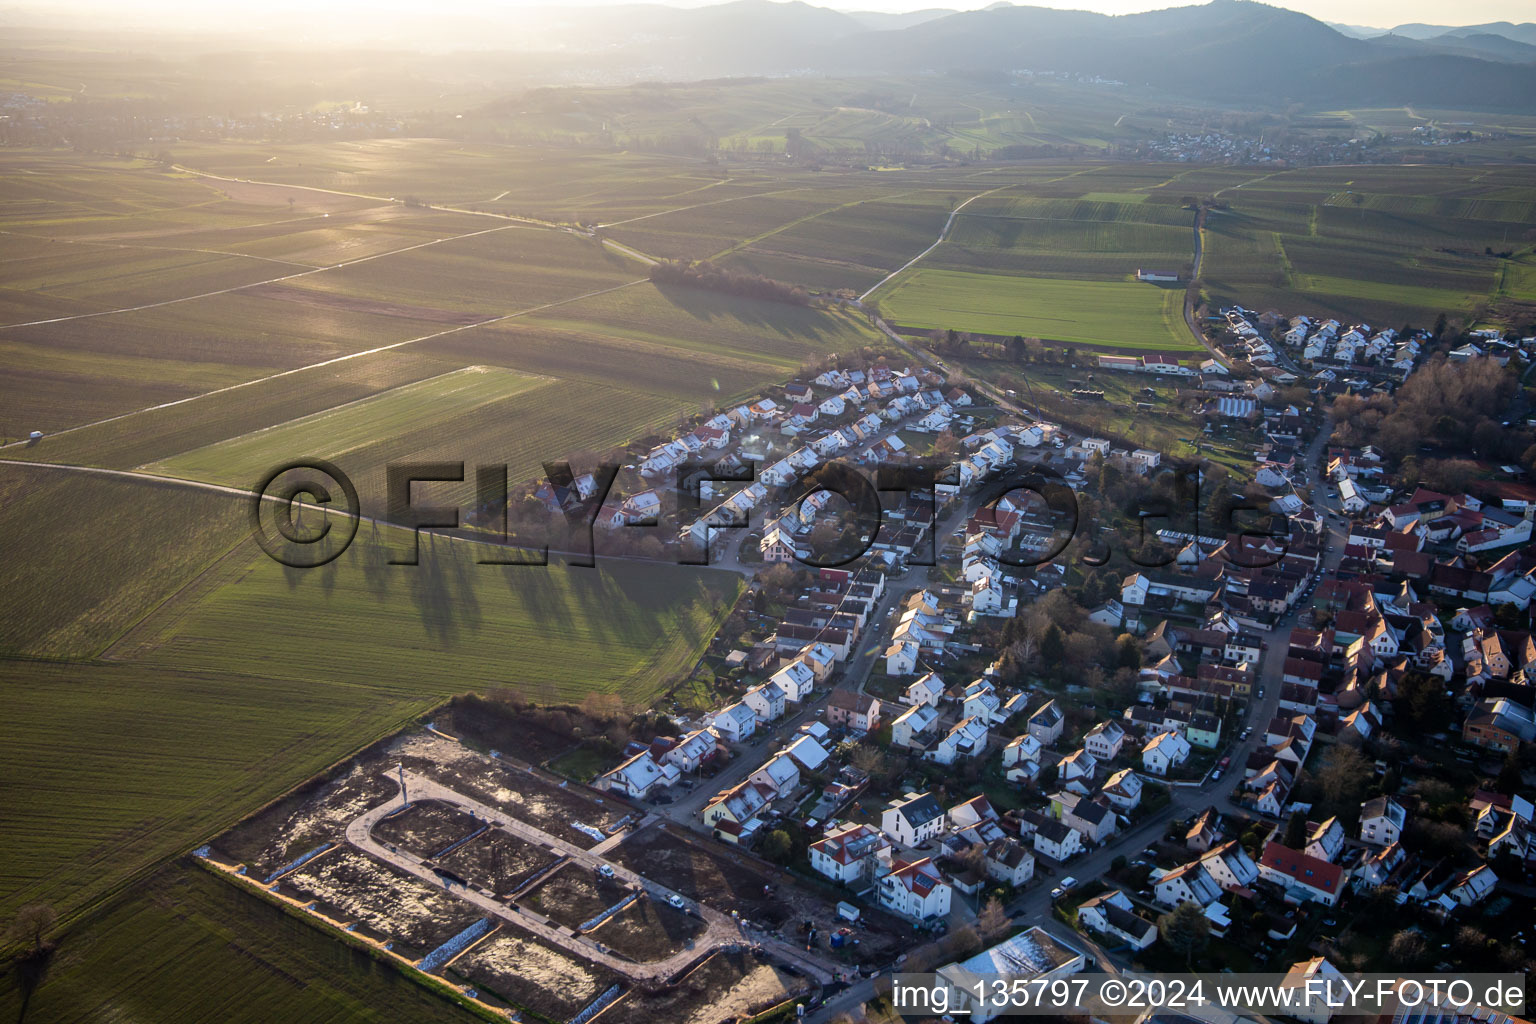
1312, 872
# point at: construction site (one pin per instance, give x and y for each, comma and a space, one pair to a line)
530, 896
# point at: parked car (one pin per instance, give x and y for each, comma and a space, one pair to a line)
675, 901
606, 870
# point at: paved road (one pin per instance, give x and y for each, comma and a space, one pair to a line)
720, 929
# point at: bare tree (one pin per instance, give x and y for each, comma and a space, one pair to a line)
993, 921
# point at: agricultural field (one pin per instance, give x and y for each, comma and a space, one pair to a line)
1097, 314
1092, 239
106, 551
556, 632
129, 764
1398, 245
185, 945
477, 415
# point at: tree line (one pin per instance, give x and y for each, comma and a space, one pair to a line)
730, 282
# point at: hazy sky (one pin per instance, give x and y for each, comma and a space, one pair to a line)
198, 14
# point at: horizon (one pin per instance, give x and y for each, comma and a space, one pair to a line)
183, 17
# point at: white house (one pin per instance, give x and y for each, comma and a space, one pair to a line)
851, 854
781, 774
1230, 865
639, 775
1021, 758
692, 751
901, 658
1104, 740
735, 723
1057, 840
928, 689
1123, 790
766, 701
913, 819
1188, 883
1326, 840
1009, 862
1381, 821
1474, 886
808, 752
1113, 914
916, 891
1163, 752
968, 738
912, 726
795, 681
1304, 878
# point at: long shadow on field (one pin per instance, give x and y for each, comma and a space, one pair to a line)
759, 314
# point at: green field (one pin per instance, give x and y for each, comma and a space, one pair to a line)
190, 947
229, 679
1112, 315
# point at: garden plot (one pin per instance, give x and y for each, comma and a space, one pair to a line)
574, 895
353, 887
497, 861
726, 986
524, 971
647, 930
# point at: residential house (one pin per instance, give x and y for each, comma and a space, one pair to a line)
693, 751
733, 812
639, 775
1021, 758
1047, 723
968, 738
1112, 914
1303, 877
915, 890
1104, 740
780, 774
1381, 821
856, 711
913, 819
1057, 840
1230, 865
1188, 883
1123, 790
901, 658
928, 689
912, 727
1009, 862
1164, 752
766, 700
735, 723
1474, 886
849, 855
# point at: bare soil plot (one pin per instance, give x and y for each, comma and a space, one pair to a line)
574, 895
723, 881
729, 883
724, 987
527, 795
314, 813
352, 886
426, 827
647, 930
524, 971
497, 861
